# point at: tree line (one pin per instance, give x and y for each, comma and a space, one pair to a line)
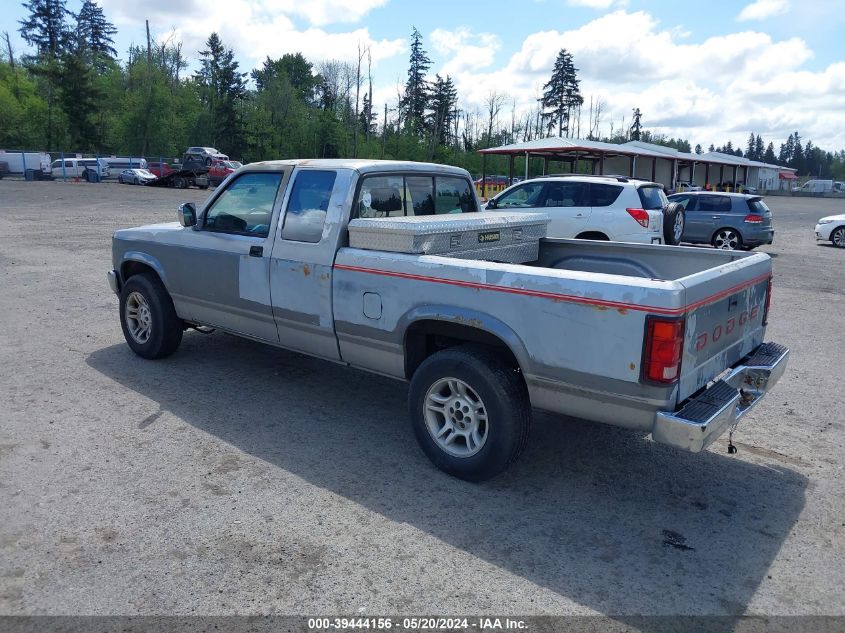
70, 91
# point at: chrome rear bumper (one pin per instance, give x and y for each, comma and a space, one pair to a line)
702, 419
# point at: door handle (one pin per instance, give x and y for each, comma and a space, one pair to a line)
717, 217
256, 251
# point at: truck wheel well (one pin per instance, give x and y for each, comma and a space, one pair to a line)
592, 235
428, 337
130, 268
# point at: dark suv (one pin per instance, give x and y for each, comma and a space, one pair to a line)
728, 221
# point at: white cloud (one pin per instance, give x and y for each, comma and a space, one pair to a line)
761, 9
467, 51
713, 90
597, 4
322, 12
256, 30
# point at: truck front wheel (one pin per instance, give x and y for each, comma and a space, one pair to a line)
148, 319
470, 412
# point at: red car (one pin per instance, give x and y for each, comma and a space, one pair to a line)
160, 169
220, 170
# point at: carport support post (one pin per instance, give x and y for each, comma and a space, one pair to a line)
510, 169
526, 165
654, 169
706, 174
633, 166
545, 165
64, 172
484, 175
23, 162
736, 170
721, 174
575, 164
601, 164
97, 158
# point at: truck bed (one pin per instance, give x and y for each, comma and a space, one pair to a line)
582, 313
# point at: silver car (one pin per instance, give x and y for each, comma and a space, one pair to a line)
729, 221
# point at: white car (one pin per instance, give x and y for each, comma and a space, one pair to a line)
832, 228
687, 186
612, 208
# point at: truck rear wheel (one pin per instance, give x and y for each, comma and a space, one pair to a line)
470, 412
148, 319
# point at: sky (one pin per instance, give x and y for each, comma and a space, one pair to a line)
707, 72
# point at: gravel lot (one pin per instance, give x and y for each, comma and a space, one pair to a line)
234, 478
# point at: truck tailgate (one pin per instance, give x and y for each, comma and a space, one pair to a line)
725, 309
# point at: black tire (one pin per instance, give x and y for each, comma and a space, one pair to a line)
208, 162
87, 175
674, 223
503, 396
837, 237
203, 186
179, 183
165, 329
727, 238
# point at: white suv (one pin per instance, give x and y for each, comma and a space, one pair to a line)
598, 208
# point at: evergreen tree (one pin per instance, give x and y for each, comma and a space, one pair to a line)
769, 156
636, 125
561, 94
222, 89
797, 160
79, 96
46, 27
749, 148
442, 104
712, 148
758, 148
415, 100
95, 31
698, 148
728, 148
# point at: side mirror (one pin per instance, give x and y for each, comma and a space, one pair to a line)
492, 204
187, 214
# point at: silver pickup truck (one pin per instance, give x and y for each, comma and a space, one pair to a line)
666, 340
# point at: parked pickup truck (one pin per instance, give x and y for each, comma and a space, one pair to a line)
663, 340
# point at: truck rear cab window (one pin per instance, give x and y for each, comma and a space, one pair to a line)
397, 196
308, 205
246, 206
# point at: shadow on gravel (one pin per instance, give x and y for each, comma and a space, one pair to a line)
597, 514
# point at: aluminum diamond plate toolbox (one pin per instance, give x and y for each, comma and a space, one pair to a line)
510, 237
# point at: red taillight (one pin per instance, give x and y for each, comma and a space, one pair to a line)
768, 302
753, 218
664, 349
640, 215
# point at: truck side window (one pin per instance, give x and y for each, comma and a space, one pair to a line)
308, 205
246, 206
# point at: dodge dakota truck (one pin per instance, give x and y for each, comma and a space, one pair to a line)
349, 260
